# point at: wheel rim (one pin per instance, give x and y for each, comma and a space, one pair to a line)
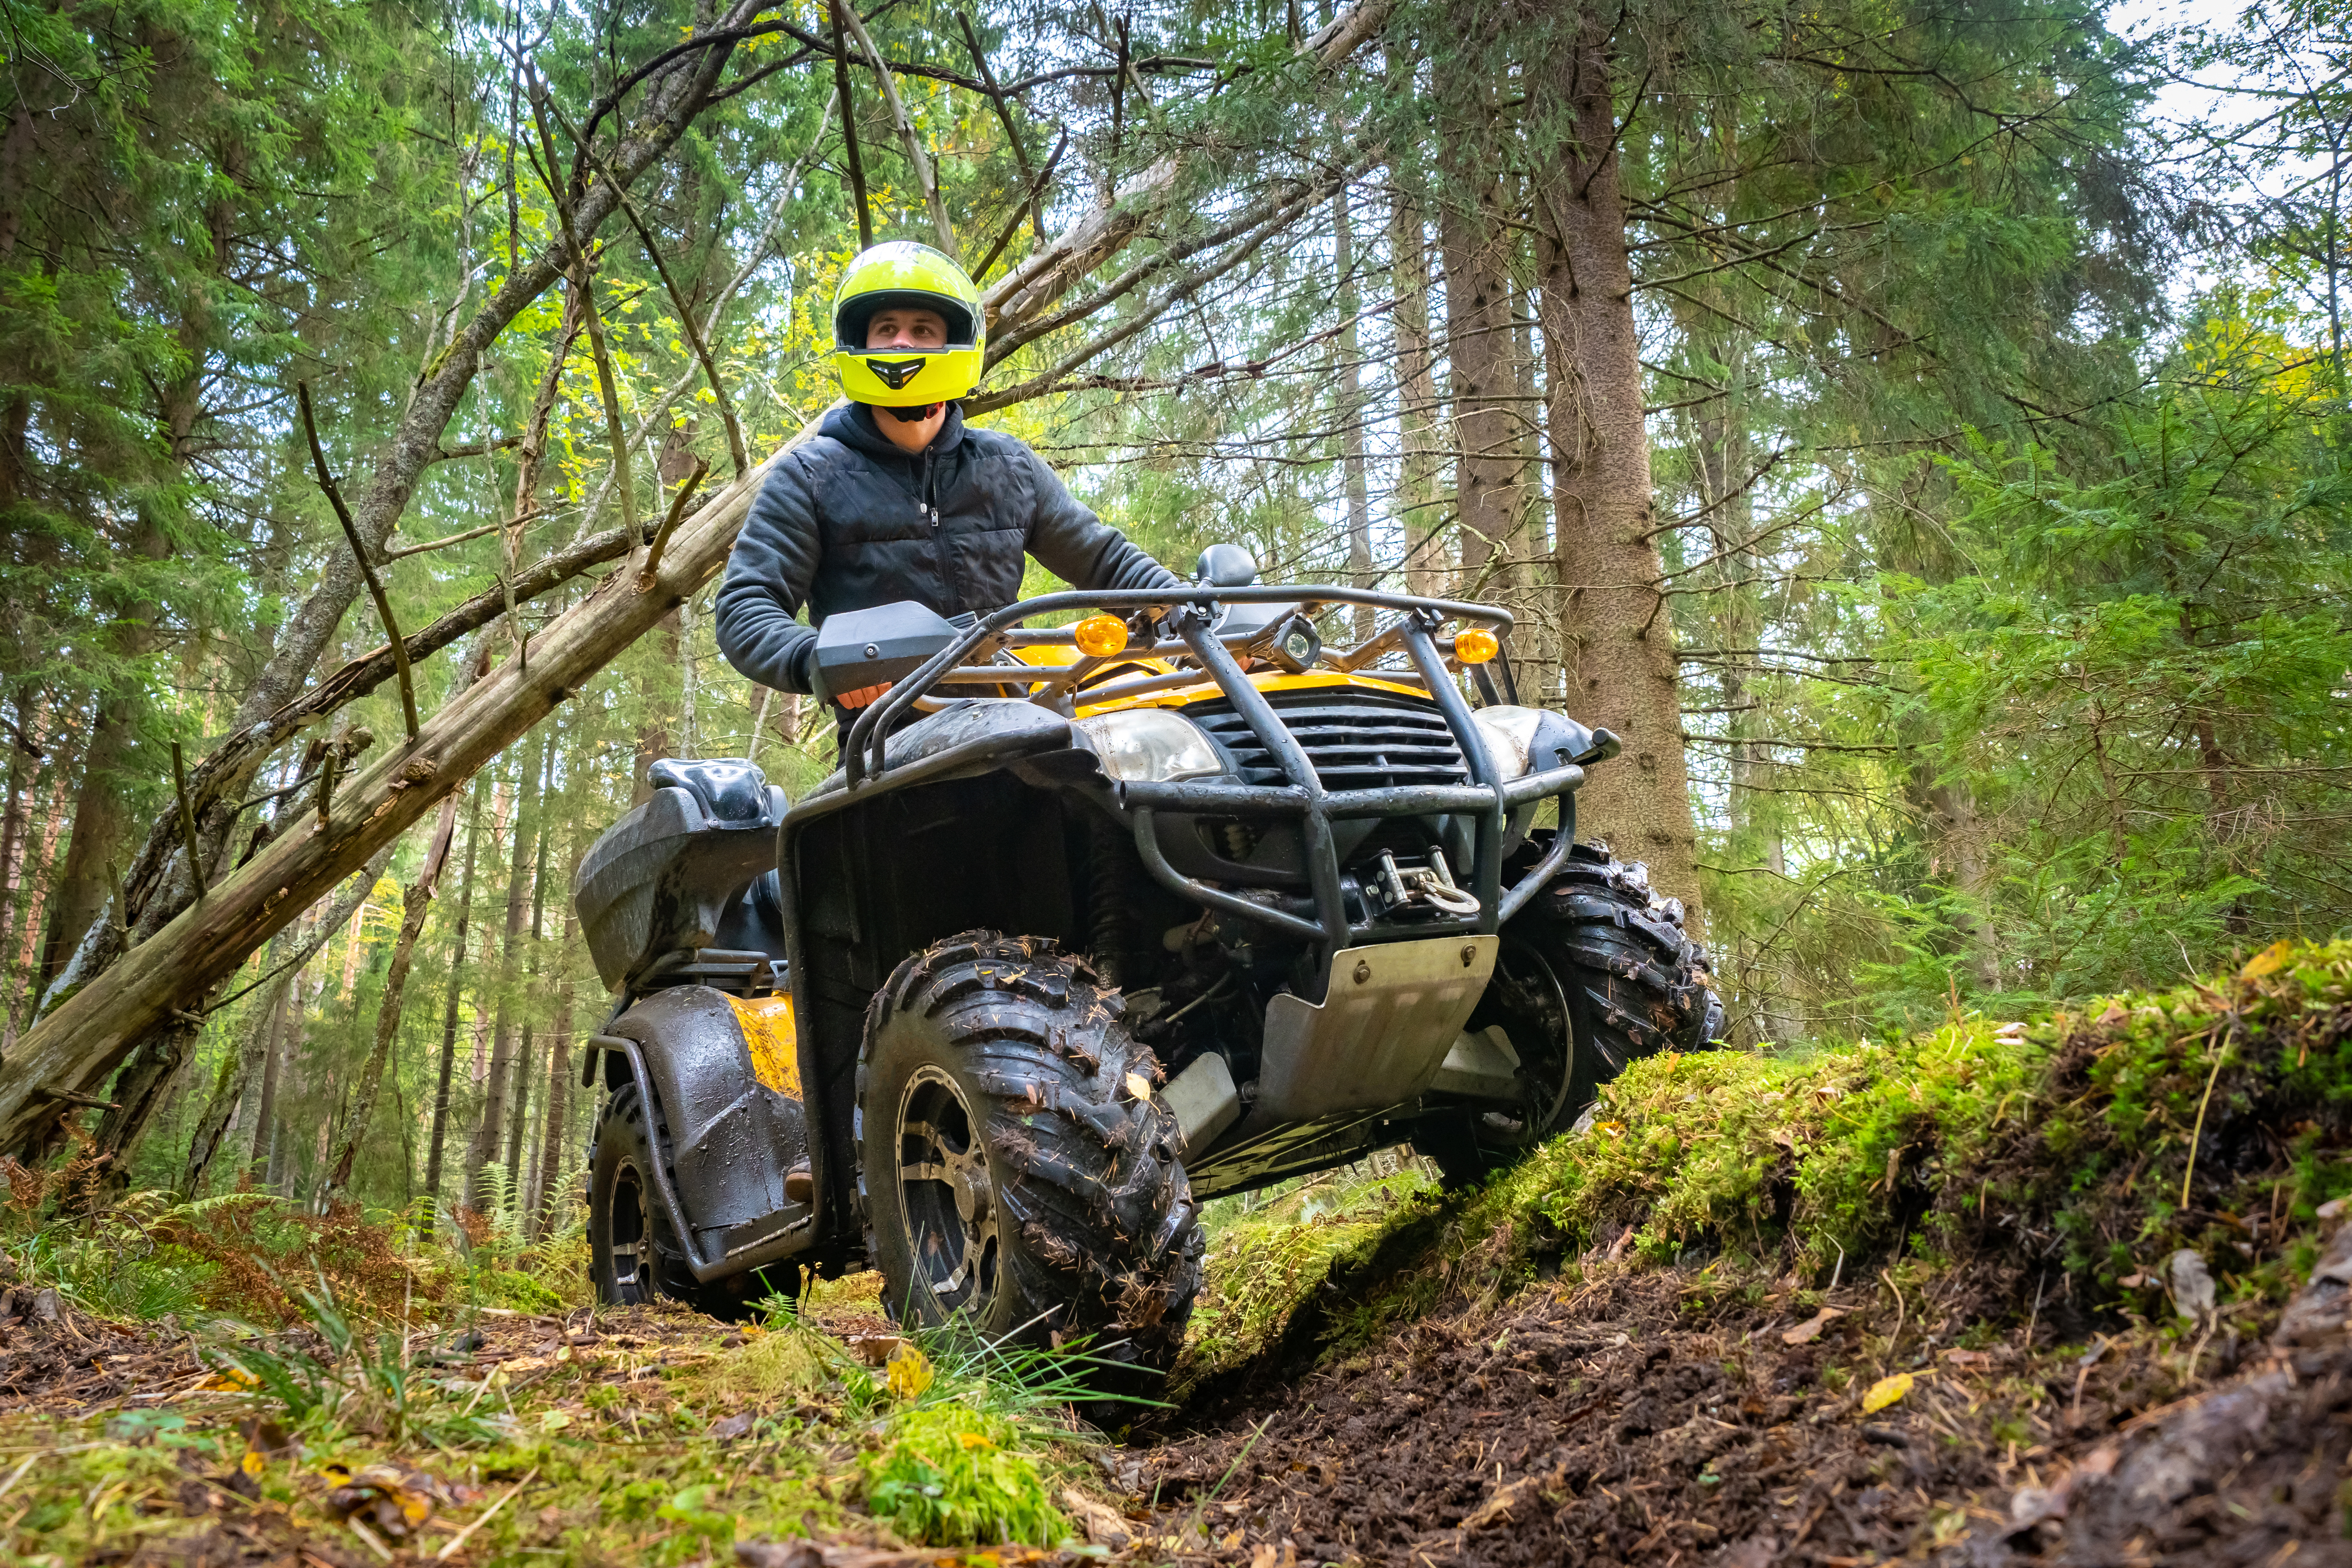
1533, 1004
946, 1195
627, 1244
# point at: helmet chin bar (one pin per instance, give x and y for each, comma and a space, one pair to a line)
911, 416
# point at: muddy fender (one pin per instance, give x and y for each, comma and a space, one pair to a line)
726, 1074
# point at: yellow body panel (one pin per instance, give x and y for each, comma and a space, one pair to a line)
774, 1043
1267, 681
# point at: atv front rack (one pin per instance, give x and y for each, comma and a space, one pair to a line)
1487, 802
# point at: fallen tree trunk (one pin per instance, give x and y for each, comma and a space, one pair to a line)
83, 1039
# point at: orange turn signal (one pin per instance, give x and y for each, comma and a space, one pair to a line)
1475, 645
1099, 636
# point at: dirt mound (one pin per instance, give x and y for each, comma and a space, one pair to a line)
1608, 1423
1659, 1416
2251, 1471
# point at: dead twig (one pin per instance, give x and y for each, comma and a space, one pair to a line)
462, 1536
187, 820
649, 574
367, 567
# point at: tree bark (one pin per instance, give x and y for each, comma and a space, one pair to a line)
102, 816
483, 1147
449, 1009
1352, 468
517, 1115
1617, 637
558, 1076
1477, 247
414, 906
1418, 408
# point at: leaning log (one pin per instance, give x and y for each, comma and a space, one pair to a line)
85, 1038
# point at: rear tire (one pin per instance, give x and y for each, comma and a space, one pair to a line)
1595, 974
634, 1256
1009, 1176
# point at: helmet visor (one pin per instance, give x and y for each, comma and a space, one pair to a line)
856, 314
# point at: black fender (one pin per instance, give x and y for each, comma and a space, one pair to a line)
723, 1077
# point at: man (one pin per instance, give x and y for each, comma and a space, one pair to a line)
895, 498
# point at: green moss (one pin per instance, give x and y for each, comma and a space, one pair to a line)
948, 1475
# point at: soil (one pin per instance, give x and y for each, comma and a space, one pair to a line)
1637, 1415
1646, 1417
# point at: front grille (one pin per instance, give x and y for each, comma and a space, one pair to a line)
1356, 740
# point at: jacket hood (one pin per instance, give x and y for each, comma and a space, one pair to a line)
852, 425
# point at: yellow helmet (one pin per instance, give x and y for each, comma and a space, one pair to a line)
903, 273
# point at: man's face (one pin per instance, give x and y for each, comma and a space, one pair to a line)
905, 326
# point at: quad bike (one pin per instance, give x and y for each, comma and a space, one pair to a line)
1095, 923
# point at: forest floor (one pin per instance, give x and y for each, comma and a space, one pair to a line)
2069, 1291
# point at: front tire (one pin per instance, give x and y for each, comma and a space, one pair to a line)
1594, 975
1010, 1176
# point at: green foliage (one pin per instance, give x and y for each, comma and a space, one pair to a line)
361, 1381
948, 1475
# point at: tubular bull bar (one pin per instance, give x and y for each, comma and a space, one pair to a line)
1487, 802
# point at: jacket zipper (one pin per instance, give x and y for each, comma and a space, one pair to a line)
929, 506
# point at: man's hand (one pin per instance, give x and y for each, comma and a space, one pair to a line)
862, 696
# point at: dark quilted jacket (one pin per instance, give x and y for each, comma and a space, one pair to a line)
847, 521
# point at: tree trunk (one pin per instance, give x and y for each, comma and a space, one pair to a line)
449, 1009
1617, 637
1477, 252
1418, 408
412, 907
1351, 412
102, 816
558, 1076
518, 1118
488, 1131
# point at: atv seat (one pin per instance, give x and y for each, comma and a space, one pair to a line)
692, 869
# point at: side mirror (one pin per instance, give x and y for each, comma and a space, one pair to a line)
1227, 565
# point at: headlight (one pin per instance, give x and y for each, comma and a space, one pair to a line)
1150, 745
1510, 735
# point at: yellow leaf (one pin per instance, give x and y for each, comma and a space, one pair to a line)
1140, 1087
1885, 1392
909, 1372
974, 1440
231, 1380
252, 1463
2270, 960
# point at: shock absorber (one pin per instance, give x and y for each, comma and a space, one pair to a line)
1112, 868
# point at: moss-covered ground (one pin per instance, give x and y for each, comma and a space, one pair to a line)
2050, 1228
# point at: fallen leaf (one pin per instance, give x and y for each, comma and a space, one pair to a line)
554, 1421
873, 1349
251, 1463
230, 1380
1809, 1331
736, 1426
1230, 1541
909, 1372
1103, 1526
1140, 1087
1885, 1392
2270, 960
